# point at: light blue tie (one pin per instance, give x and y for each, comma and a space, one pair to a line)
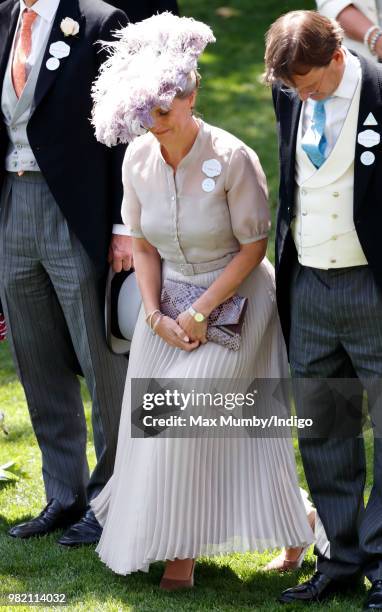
314, 141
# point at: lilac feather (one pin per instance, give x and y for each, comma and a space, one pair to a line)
147, 66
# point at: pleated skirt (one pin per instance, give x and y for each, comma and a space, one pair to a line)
187, 497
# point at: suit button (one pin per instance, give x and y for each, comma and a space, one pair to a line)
303, 191
334, 237
333, 261
335, 216
335, 194
304, 213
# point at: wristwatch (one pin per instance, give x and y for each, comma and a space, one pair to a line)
197, 316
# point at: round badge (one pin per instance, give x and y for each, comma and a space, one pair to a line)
208, 185
52, 63
212, 167
369, 138
367, 158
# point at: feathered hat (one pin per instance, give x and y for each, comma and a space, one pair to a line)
148, 66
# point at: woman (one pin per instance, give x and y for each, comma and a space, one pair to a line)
195, 202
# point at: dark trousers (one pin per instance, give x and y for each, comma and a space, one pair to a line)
52, 297
336, 333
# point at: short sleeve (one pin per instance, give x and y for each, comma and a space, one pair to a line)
332, 8
131, 207
247, 196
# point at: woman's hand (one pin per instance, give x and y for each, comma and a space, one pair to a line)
194, 330
174, 335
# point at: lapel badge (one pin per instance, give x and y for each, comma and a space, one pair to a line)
367, 158
212, 168
208, 185
53, 63
369, 138
59, 49
370, 120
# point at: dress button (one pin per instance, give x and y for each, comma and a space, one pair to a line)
335, 194
334, 216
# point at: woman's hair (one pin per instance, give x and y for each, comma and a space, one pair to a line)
297, 42
192, 84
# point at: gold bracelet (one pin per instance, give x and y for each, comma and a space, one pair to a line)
151, 314
156, 322
150, 317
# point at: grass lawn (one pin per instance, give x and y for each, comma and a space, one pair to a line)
232, 98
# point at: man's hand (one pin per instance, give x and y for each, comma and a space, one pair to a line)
121, 252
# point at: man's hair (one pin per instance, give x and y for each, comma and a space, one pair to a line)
297, 42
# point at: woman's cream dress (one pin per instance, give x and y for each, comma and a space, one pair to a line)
189, 497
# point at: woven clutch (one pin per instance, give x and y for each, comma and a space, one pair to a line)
225, 323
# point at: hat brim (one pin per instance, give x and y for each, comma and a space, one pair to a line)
122, 306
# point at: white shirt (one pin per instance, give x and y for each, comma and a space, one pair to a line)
46, 11
337, 106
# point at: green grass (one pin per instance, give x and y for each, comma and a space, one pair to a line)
232, 98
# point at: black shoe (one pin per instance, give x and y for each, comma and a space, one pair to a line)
316, 589
54, 516
374, 598
86, 531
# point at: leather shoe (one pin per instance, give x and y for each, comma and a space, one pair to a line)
86, 531
54, 516
374, 598
316, 589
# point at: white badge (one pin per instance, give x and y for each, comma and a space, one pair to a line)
53, 63
370, 120
208, 185
59, 49
367, 158
212, 167
369, 138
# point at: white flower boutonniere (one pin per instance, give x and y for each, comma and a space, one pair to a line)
69, 26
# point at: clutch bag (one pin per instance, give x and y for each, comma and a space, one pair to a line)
225, 323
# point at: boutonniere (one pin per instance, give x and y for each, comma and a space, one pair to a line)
69, 27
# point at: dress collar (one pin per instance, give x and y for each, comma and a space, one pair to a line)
195, 149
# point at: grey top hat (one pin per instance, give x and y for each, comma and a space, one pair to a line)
122, 305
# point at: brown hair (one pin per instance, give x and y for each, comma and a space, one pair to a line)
297, 42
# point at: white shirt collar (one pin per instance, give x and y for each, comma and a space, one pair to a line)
44, 8
350, 77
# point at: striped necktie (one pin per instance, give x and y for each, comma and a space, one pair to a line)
22, 51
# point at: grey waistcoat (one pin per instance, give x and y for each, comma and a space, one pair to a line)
16, 112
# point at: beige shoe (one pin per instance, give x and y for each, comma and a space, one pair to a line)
169, 580
284, 564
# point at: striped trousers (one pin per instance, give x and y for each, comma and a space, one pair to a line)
336, 332
52, 297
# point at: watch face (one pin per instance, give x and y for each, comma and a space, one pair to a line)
199, 318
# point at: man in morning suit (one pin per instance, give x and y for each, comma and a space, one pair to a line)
61, 196
328, 104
